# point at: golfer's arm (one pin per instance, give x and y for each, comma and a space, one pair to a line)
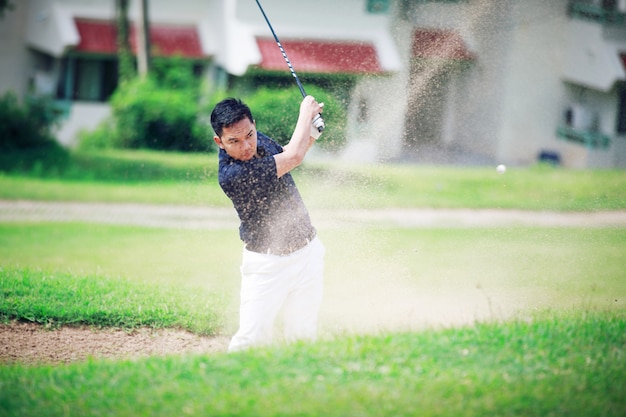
294, 152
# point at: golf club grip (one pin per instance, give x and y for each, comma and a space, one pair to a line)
318, 122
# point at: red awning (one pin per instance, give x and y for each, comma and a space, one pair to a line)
623, 58
99, 37
443, 44
320, 56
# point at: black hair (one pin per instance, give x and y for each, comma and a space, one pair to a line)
228, 112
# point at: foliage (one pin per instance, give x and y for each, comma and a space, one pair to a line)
26, 139
174, 73
28, 125
5, 5
103, 136
548, 365
151, 116
126, 64
160, 111
276, 114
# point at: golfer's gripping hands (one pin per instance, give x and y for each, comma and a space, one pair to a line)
302, 139
317, 124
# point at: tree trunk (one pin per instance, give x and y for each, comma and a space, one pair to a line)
143, 39
126, 66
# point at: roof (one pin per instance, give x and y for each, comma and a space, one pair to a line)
99, 37
442, 44
320, 56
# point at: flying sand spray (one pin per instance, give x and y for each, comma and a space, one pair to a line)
318, 122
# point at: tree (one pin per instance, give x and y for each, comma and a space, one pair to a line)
126, 66
5, 5
143, 39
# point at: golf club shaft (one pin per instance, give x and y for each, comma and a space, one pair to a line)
318, 122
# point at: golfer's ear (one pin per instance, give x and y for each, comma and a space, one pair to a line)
218, 141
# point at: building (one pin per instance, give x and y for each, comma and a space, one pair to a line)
487, 81
436, 81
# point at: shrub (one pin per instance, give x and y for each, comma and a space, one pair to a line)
26, 139
276, 113
160, 111
104, 136
148, 115
25, 126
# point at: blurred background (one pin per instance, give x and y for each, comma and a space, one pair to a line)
437, 81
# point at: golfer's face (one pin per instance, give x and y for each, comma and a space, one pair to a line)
239, 140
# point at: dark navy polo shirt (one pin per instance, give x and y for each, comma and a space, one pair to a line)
271, 210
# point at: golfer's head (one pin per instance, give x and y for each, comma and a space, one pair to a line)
235, 130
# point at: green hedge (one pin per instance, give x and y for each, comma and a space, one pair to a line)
276, 113
150, 116
26, 140
161, 111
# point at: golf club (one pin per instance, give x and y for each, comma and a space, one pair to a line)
318, 122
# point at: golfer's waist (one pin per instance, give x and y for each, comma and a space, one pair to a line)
281, 249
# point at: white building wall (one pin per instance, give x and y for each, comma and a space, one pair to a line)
82, 116
533, 94
481, 115
14, 56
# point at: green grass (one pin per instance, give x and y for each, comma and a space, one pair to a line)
202, 259
432, 275
543, 309
205, 193
118, 166
537, 187
553, 364
56, 299
175, 178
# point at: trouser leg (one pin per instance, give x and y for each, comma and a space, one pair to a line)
303, 302
261, 297
294, 282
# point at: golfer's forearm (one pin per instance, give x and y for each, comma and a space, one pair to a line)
294, 152
301, 140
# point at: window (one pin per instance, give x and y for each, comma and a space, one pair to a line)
604, 11
87, 79
377, 6
363, 111
621, 111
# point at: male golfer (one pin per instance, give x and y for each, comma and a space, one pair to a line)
283, 260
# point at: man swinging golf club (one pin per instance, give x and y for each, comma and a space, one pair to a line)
283, 259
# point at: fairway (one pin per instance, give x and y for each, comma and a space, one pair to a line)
402, 279
453, 292
377, 278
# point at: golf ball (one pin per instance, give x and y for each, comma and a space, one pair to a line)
501, 169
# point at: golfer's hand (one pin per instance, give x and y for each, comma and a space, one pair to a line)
311, 109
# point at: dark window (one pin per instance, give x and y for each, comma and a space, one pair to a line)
363, 113
603, 11
377, 6
87, 79
621, 111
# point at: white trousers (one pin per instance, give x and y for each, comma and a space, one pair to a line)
294, 283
